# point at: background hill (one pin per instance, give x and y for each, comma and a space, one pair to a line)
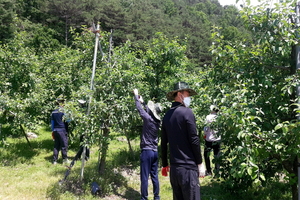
134, 20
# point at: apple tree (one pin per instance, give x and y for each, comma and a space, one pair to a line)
255, 83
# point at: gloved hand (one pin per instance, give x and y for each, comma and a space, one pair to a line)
201, 170
135, 92
141, 99
53, 138
165, 170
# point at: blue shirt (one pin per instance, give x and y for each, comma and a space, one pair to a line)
149, 137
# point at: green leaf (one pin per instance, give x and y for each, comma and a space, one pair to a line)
262, 177
278, 126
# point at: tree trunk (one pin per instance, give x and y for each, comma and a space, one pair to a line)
291, 166
104, 148
128, 141
66, 30
294, 61
295, 185
23, 131
294, 192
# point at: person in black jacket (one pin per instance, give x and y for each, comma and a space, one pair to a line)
180, 137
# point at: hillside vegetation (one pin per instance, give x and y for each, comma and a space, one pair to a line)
134, 20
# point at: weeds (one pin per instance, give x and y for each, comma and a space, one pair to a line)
29, 171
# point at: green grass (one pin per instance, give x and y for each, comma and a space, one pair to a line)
27, 173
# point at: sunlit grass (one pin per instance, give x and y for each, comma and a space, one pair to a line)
27, 173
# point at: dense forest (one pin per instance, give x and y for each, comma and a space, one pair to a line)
51, 21
241, 59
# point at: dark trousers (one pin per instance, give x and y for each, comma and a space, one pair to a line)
60, 143
185, 183
215, 146
149, 166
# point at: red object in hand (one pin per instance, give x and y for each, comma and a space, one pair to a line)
53, 135
204, 136
165, 170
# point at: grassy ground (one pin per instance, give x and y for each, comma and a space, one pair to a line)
27, 173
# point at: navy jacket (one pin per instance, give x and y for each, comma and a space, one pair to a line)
57, 122
149, 137
179, 132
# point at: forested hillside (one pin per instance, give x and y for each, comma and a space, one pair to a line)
134, 20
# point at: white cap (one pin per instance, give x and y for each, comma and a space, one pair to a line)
214, 108
81, 101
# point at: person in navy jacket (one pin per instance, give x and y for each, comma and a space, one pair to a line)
180, 137
59, 128
148, 144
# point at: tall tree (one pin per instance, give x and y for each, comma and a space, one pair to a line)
69, 14
255, 84
7, 14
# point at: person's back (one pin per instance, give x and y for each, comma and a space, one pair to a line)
148, 145
212, 140
211, 134
57, 119
149, 137
180, 135
60, 134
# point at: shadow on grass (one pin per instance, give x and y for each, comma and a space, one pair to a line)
125, 158
112, 182
217, 190
20, 151
120, 170
115, 181
17, 153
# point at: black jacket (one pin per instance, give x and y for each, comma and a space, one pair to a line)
180, 133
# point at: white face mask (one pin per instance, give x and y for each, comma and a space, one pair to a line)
187, 101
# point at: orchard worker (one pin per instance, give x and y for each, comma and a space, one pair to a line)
212, 140
59, 126
179, 136
148, 144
